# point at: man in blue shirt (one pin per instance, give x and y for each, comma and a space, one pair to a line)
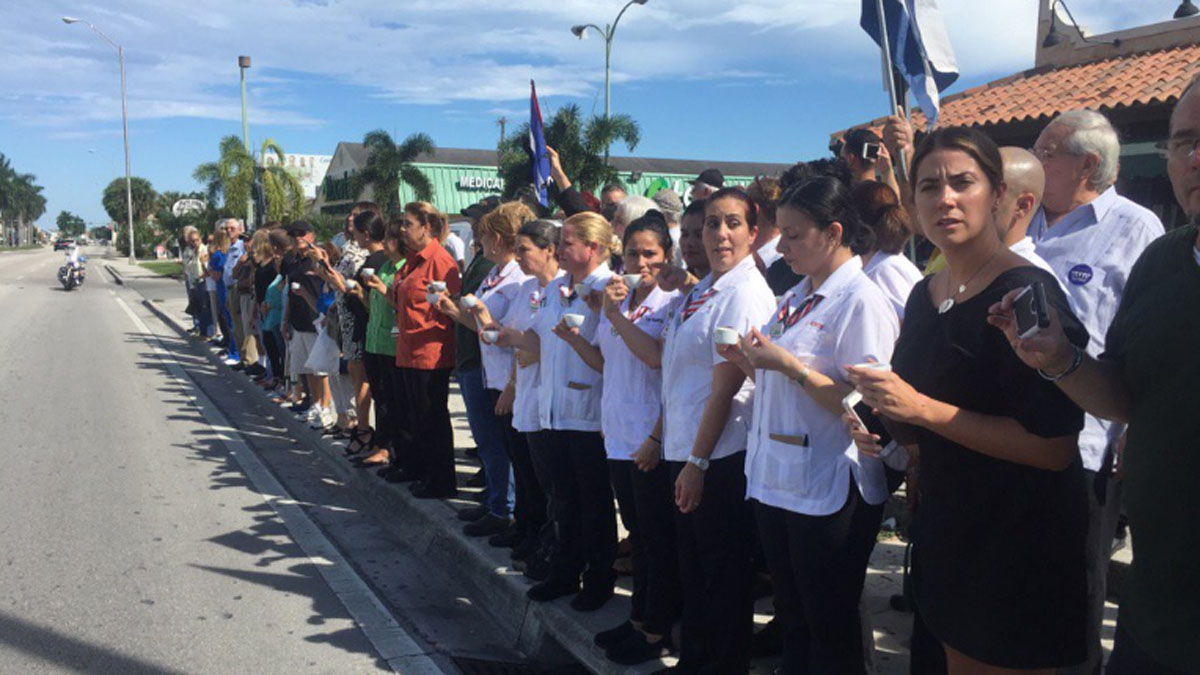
1091, 236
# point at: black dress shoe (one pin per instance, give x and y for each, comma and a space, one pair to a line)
426, 492
607, 638
552, 589
486, 526
635, 649
238, 366
592, 598
473, 513
526, 549
537, 568
256, 370
509, 538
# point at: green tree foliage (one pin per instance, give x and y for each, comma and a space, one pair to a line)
21, 203
282, 191
70, 225
101, 233
144, 199
144, 235
581, 147
230, 178
388, 164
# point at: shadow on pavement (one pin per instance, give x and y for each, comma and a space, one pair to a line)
51, 646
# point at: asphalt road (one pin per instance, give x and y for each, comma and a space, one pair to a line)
139, 533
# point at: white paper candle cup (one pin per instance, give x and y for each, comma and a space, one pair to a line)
573, 320
431, 298
631, 280
436, 286
723, 335
350, 284
470, 301
490, 336
295, 285
368, 272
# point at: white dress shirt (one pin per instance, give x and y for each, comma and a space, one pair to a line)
520, 316
895, 275
740, 299
800, 454
632, 397
455, 246
1091, 250
501, 288
569, 390
769, 251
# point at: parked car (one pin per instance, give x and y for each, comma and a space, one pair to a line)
60, 244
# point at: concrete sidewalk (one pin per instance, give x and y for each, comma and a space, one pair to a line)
544, 631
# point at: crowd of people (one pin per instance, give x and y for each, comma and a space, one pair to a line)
689, 369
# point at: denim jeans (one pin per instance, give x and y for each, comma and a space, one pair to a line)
485, 429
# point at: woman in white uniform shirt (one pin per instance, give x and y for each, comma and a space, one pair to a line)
569, 394
627, 351
818, 500
497, 232
706, 412
536, 252
884, 262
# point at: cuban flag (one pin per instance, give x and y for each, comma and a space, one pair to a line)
540, 173
920, 48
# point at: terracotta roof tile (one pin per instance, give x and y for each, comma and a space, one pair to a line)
1132, 79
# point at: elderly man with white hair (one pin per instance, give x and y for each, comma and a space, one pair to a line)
1091, 236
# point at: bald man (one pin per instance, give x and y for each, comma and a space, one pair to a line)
1026, 181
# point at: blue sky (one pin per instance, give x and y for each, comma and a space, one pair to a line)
708, 79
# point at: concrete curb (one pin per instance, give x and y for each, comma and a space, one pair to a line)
545, 632
120, 281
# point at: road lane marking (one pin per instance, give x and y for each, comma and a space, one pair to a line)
393, 643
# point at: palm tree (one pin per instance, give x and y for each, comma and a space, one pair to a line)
389, 164
28, 204
283, 192
581, 146
144, 199
230, 178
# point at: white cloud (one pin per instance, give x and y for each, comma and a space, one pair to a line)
181, 55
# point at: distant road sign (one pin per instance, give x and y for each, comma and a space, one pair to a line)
186, 206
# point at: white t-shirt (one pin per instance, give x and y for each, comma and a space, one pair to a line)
895, 275
740, 299
521, 314
632, 397
569, 390
454, 244
500, 289
799, 452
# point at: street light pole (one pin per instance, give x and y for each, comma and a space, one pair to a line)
607, 33
243, 65
124, 132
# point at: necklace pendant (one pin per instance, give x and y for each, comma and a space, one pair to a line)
962, 288
946, 305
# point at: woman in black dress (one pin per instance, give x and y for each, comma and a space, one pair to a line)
998, 529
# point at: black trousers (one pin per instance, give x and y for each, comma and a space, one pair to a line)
715, 571
818, 566
273, 343
1129, 659
539, 452
529, 509
428, 452
645, 499
1104, 510
582, 508
386, 397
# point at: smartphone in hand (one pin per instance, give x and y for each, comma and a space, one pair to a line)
1029, 310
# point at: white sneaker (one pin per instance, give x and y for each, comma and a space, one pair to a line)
327, 418
310, 415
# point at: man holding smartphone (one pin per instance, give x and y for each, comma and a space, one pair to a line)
1091, 237
1147, 377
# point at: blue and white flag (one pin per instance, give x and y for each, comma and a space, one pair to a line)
537, 149
920, 47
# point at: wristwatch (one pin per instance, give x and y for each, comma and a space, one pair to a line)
698, 462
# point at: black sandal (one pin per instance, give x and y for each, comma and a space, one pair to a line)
360, 439
332, 430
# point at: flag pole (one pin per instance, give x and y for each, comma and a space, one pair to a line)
889, 78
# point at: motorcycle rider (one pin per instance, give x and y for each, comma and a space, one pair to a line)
76, 260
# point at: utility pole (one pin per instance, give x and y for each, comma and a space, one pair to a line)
502, 123
243, 66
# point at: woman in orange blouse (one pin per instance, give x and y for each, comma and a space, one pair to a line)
425, 355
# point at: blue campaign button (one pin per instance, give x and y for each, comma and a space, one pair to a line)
1080, 275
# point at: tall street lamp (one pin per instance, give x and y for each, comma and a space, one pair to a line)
243, 66
607, 33
124, 130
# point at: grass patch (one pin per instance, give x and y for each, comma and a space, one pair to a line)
26, 247
164, 268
